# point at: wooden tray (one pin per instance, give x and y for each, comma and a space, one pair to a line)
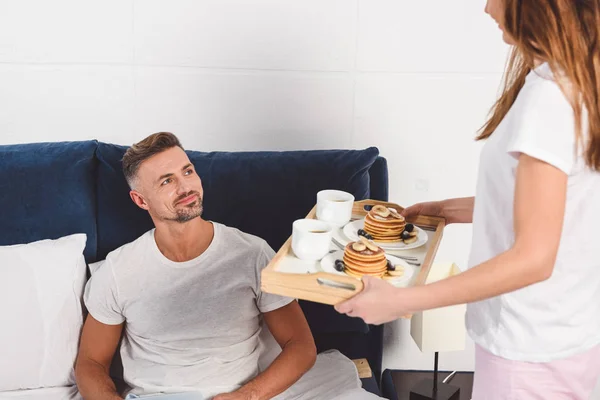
286, 275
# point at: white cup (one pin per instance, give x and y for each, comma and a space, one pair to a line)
334, 207
311, 239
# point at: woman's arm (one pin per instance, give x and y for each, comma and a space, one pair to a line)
540, 197
454, 211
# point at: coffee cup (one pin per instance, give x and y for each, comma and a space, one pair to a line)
311, 239
334, 207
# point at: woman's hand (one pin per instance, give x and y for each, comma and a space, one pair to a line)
454, 211
378, 303
431, 208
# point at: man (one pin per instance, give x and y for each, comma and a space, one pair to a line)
187, 293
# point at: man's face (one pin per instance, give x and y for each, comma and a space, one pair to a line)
168, 187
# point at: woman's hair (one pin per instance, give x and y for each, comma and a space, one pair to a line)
566, 35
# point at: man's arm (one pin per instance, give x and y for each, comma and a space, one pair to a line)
98, 345
289, 327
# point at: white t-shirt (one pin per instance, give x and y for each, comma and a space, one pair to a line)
191, 325
560, 316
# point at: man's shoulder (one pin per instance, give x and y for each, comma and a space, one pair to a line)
130, 251
240, 239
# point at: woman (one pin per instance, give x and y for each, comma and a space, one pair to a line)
533, 283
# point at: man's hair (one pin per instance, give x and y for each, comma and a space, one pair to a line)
143, 150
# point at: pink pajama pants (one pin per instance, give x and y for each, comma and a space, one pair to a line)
573, 378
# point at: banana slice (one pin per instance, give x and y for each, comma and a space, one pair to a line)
410, 240
381, 211
395, 214
399, 271
370, 245
358, 246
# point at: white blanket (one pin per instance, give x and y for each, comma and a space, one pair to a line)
333, 377
60, 393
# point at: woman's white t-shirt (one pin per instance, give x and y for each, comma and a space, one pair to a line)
558, 317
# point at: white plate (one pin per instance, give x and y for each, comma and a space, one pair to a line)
351, 231
328, 265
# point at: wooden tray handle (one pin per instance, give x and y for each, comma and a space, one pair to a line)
330, 281
359, 206
337, 285
321, 287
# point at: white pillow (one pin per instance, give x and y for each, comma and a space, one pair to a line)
94, 266
41, 289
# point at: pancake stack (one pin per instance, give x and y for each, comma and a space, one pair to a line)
364, 258
384, 224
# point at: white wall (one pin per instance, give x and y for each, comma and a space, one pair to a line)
415, 78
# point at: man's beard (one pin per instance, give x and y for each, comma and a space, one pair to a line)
190, 211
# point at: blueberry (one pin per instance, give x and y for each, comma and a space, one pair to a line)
365, 234
368, 208
339, 265
409, 227
405, 235
390, 266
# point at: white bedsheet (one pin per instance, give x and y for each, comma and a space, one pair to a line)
59, 393
334, 377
